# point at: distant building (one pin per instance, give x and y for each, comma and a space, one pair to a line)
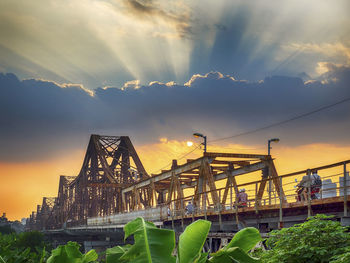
14, 225
24, 221
3, 218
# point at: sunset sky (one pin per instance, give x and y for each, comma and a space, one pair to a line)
159, 71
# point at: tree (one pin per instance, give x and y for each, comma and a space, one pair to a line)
6, 229
317, 240
23, 248
32, 240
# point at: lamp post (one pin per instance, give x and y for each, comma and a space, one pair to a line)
197, 135
269, 142
276, 140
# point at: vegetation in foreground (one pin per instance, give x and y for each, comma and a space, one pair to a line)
153, 244
320, 239
27, 247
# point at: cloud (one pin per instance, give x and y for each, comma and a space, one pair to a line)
41, 115
331, 50
325, 55
42, 118
148, 10
325, 67
214, 76
106, 43
132, 84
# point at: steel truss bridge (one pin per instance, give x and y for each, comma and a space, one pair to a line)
113, 188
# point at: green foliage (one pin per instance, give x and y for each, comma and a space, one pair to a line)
233, 255
257, 252
156, 245
32, 240
18, 248
317, 240
113, 254
192, 241
237, 249
70, 253
151, 244
341, 258
6, 230
246, 239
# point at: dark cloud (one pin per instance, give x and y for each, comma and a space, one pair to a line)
150, 10
41, 118
221, 27
37, 116
234, 46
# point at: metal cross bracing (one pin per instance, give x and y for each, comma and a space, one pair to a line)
114, 188
201, 176
109, 183
110, 164
266, 208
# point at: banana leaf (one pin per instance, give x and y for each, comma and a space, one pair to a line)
152, 244
192, 240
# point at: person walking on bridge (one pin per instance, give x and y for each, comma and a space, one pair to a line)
242, 198
189, 208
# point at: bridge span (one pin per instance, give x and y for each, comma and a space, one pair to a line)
113, 188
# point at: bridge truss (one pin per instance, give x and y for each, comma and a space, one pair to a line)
111, 163
198, 178
113, 180
113, 187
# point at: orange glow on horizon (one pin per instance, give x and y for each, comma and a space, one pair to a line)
23, 185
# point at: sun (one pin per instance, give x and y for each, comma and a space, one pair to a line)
189, 143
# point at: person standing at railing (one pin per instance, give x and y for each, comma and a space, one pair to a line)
302, 189
189, 208
169, 211
316, 185
242, 198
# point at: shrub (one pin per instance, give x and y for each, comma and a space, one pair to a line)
6, 230
28, 247
32, 240
152, 245
317, 240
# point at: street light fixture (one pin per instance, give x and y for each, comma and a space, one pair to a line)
197, 135
276, 140
269, 142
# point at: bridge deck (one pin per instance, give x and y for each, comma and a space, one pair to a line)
226, 220
332, 202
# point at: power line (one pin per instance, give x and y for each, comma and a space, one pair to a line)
180, 158
260, 129
281, 122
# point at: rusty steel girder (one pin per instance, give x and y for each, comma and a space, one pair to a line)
110, 164
112, 179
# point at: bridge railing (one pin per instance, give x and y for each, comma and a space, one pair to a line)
334, 178
155, 214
